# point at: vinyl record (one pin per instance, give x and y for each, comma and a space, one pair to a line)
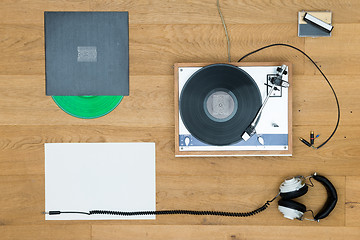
87, 106
218, 102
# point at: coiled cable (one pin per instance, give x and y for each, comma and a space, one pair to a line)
171, 212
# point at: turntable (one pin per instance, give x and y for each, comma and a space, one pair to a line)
236, 109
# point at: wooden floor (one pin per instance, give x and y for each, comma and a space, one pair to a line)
161, 34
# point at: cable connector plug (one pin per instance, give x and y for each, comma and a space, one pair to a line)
312, 138
52, 213
305, 142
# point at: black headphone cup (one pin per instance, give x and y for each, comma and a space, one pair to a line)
292, 205
295, 194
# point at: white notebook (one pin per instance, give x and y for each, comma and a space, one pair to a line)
99, 176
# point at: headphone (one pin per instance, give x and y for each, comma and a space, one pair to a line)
295, 187
291, 188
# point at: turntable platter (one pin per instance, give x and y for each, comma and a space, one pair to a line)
218, 103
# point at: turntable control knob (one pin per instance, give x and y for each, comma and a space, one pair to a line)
187, 141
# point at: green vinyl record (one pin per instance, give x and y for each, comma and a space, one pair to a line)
87, 106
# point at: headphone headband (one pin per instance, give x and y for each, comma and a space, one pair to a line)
331, 198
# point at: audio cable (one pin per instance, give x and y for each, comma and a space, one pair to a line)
225, 29
311, 143
170, 212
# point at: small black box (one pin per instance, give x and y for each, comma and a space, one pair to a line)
86, 53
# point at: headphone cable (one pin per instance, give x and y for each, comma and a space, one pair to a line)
170, 212
332, 89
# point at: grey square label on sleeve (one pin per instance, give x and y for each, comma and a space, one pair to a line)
87, 54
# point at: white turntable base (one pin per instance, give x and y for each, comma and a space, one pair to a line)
273, 131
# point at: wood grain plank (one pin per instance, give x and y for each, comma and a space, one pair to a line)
23, 200
314, 102
339, 156
207, 43
237, 12
22, 204
352, 201
154, 49
22, 49
174, 12
53, 232
337, 54
32, 12
151, 102
223, 232
21, 151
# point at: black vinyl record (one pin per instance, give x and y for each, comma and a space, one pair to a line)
218, 102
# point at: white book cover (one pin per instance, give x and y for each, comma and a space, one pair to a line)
99, 176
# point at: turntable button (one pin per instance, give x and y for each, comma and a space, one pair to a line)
274, 125
261, 140
187, 141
